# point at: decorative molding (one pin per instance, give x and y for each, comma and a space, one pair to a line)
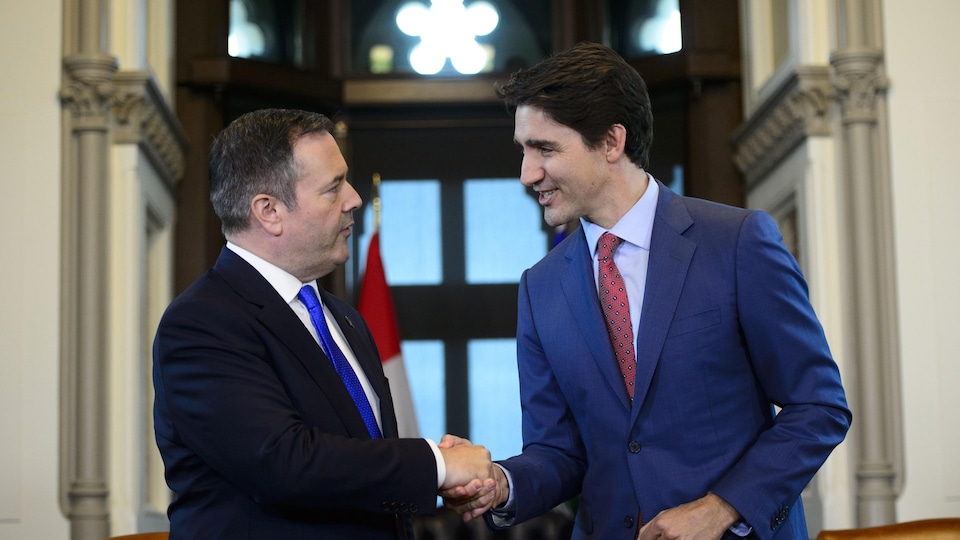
373, 92
142, 117
859, 79
87, 94
88, 89
871, 285
799, 109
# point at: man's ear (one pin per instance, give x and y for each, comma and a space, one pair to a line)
267, 211
615, 142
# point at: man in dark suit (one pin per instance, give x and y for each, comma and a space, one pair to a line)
665, 426
267, 429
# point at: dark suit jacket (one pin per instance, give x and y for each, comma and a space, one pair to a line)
726, 332
260, 438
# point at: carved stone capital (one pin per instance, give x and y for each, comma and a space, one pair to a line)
143, 117
88, 88
798, 110
859, 79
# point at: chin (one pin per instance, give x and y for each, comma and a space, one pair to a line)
553, 219
341, 257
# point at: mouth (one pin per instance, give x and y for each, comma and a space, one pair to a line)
545, 196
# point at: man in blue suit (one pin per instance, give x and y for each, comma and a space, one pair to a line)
272, 413
670, 427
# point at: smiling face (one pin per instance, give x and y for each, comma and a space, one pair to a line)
569, 177
316, 231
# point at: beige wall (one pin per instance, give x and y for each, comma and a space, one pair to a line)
924, 110
30, 38
924, 106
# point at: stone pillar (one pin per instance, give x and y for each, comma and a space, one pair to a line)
87, 99
870, 282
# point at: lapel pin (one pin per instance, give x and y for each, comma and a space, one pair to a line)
348, 321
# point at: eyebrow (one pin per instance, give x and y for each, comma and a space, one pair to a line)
535, 143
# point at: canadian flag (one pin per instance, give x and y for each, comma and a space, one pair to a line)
376, 307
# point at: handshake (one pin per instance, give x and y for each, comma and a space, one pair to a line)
473, 483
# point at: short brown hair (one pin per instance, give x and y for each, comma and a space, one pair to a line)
253, 155
588, 89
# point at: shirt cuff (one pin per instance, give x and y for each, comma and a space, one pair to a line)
741, 529
505, 515
441, 465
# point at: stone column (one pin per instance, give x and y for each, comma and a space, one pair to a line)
87, 96
871, 286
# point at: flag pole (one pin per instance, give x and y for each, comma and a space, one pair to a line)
375, 198
375, 305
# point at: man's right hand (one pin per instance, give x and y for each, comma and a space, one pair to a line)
473, 484
465, 461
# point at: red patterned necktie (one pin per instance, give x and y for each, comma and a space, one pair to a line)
616, 308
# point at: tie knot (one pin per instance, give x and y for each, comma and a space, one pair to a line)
607, 244
309, 297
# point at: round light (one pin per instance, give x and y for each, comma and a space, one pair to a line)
411, 17
469, 58
426, 60
482, 17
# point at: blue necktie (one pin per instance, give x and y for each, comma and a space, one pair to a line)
309, 299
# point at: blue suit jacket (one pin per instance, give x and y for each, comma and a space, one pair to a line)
726, 332
260, 439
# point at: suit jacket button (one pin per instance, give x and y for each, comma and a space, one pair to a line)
628, 522
634, 447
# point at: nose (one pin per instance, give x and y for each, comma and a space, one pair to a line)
351, 200
531, 171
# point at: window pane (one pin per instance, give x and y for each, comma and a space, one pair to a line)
494, 396
520, 37
424, 363
646, 27
267, 30
409, 232
503, 228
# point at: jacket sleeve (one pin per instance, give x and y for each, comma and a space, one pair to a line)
792, 362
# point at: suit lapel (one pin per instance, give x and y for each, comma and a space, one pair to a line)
670, 256
580, 291
282, 322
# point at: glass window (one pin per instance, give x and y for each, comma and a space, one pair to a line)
449, 38
424, 362
409, 232
494, 396
454, 247
503, 230
646, 27
267, 30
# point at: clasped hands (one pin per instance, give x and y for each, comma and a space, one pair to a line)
473, 484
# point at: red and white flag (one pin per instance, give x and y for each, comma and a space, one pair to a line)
376, 307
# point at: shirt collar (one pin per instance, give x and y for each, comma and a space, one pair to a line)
286, 284
635, 227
